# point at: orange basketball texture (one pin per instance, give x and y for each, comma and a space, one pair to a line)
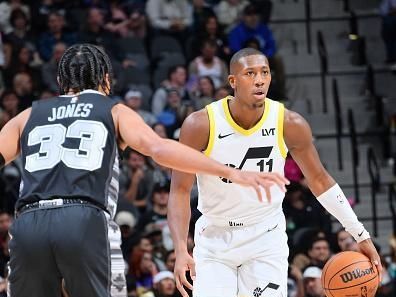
350, 274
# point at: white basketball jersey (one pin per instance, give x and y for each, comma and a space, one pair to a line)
260, 149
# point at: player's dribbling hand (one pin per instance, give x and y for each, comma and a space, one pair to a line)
260, 180
367, 247
183, 263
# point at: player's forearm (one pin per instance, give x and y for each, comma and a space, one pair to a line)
320, 183
179, 214
183, 158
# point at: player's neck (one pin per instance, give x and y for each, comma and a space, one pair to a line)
100, 89
243, 115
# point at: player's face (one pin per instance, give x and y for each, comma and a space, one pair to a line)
250, 80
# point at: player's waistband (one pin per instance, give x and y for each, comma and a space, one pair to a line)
272, 222
56, 203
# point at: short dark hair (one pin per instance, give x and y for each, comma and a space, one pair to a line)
18, 13
245, 52
84, 66
173, 69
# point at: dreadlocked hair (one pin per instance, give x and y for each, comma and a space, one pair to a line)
84, 66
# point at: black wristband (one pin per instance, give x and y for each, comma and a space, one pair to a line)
2, 161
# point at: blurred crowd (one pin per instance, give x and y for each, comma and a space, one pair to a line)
170, 58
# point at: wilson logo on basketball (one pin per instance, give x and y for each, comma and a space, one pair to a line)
355, 274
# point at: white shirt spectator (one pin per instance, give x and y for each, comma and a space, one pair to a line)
163, 14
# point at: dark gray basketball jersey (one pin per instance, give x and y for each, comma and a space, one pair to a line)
69, 150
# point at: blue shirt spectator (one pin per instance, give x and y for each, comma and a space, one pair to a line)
54, 35
252, 28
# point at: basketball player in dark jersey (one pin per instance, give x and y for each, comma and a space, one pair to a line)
64, 225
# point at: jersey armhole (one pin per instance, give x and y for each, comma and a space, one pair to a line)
208, 150
281, 141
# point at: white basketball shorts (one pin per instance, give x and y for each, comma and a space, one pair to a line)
243, 261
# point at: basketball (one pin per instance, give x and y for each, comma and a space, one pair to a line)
350, 274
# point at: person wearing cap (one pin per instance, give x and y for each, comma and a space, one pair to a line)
312, 284
164, 284
133, 99
127, 222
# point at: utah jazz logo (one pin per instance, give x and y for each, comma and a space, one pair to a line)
261, 153
258, 291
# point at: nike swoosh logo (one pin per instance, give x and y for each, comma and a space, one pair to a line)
273, 228
225, 135
360, 234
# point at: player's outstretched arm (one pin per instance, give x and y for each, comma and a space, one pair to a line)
136, 134
10, 136
298, 139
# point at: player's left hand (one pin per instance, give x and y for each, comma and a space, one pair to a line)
367, 247
259, 180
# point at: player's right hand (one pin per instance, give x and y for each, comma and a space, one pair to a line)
259, 180
183, 263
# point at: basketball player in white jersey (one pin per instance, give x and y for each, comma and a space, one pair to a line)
241, 244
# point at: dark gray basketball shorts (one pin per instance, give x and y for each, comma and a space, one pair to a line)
76, 243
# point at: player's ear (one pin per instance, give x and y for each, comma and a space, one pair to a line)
231, 80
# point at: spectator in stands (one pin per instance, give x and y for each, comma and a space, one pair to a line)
312, 282
302, 210
204, 94
49, 69
388, 13
175, 111
118, 22
171, 17
208, 64
20, 34
201, 11
23, 88
158, 214
177, 77
22, 61
160, 129
6, 8
129, 235
133, 99
229, 12
164, 284
170, 260
55, 33
251, 27
319, 252
137, 24
135, 182
142, 269
209, 30
223, 92
295, 284
94, 32
345, 241
10, 105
